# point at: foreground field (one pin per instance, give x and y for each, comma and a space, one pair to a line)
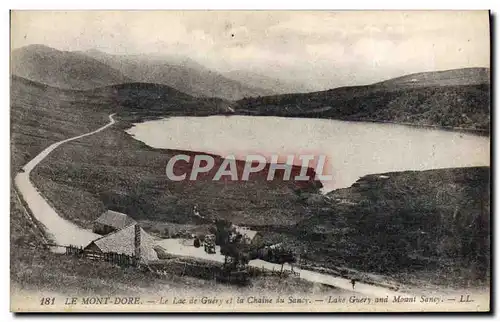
40, 270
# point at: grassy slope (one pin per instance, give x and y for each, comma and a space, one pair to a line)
62, 69
42, 115
452, 77
155, 99
38, 271
431, 224
465, 106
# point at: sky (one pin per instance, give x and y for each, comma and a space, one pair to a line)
320, 48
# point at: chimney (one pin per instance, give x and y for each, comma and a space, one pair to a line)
137, 242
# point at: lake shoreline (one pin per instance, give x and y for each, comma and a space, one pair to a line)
480, 132
223, 135
474, 131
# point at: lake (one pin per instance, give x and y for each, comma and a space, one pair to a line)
353, 149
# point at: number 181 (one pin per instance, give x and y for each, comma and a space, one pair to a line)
47, 301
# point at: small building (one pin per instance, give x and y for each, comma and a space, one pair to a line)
111, 221
249, 236
131, 240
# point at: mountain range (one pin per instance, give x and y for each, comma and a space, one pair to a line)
66, 70
93, 68
457, 98
276, 85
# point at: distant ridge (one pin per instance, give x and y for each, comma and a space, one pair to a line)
62, 69
148, 90
278, 86
452, 77
19, 79
180, 73
449, 99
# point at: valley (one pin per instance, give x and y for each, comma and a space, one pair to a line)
417, 228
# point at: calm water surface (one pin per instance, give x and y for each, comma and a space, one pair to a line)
353, 149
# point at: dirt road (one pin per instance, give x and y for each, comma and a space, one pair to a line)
59, 230
185, 248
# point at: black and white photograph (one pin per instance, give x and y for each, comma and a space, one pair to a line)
250, 161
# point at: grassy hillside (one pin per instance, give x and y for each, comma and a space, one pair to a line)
37, 271
453, 77
461, 102
41, 115
62, 69
182, 74
145, 100
111, 170
431, 223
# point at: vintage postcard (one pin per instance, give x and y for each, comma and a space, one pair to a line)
243, 161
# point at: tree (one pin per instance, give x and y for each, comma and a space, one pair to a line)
236, 252
281, 256
222, 231
231, 244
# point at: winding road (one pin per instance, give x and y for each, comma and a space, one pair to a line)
64, 232
60, 230
185, 248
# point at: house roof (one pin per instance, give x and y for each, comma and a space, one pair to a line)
115, 219
245, 231
123, 242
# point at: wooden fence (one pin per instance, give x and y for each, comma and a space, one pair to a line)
111, 257
261, 271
